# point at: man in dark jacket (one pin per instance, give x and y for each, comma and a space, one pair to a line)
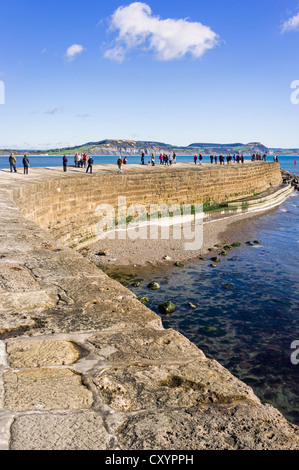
25, 164
90, 163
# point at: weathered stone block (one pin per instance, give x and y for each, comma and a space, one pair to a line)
29, 354
59, 431
45, 389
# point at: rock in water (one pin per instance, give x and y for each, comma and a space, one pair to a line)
167, 308
191, 305
223, 253
227, 247
178, 264
143, 300
153, 286
229, 286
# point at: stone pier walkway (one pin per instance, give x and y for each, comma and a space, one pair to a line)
84, 365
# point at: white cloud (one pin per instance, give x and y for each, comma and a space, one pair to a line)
117, 53
169, 38
291, 25
83, 116
58, 109
73, 51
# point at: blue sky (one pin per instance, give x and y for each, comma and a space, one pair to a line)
171, 71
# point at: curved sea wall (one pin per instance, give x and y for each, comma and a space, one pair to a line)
66, 204
83, 364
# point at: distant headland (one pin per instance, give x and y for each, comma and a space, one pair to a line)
132, 147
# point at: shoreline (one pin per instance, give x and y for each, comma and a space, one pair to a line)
158, 253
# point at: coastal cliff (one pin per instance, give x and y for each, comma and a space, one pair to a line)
84, 365
110, 147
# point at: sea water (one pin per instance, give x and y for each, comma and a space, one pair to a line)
47, 161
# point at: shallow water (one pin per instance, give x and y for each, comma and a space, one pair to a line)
247, 310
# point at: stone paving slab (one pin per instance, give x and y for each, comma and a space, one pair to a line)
45, 389
14, 278
30, 354
144, 345
60, 431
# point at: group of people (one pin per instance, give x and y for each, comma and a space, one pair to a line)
13, 162
83, 161
258, 157
229, 159
167, 160
80, 161
233, 158
164, 159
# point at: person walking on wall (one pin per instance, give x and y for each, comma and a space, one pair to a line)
90, 164
12, 162
25, 164
84, 160
64, 163
119, 164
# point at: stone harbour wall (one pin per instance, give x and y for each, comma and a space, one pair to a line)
85, 366
66, 205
